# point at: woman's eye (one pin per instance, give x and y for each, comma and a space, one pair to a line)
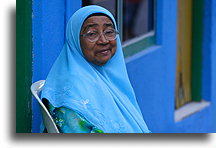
109, 32
92, 34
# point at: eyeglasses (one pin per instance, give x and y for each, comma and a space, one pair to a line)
93, 36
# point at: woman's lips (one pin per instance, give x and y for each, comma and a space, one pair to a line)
104, 51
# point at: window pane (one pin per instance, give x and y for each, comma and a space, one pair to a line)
138, 18
108, 4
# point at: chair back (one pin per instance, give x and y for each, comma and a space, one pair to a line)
47, 118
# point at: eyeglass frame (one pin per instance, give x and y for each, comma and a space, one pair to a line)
85, 35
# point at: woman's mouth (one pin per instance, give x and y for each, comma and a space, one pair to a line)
104, 52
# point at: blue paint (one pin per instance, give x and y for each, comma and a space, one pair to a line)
204, 121
152, 72
206, 73
213, 55
71, 7
49, 23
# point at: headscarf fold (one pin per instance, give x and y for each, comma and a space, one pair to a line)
101, 94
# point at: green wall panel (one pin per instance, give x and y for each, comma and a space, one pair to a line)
23, 65
197, 45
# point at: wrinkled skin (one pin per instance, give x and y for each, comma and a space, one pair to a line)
101, 51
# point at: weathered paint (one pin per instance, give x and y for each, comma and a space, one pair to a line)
184, 52
204, 121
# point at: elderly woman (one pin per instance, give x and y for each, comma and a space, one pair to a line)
87, 89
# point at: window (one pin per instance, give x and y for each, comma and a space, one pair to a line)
189, 52
135, 20
108, 4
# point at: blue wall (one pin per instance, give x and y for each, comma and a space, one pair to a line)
49, 22
152, 71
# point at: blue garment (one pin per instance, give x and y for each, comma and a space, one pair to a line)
101, 94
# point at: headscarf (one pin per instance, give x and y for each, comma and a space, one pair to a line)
101, 94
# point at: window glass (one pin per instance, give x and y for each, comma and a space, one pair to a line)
138, 16
108, 4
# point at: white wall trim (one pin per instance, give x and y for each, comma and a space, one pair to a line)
190, 109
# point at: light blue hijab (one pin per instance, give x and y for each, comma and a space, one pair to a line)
101, 94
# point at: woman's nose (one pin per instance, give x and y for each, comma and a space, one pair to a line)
102, 39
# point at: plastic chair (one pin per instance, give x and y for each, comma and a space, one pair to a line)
47, 119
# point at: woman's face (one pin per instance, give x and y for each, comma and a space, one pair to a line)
101, 51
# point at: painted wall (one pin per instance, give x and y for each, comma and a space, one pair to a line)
152, 71
23, 66
48, 28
